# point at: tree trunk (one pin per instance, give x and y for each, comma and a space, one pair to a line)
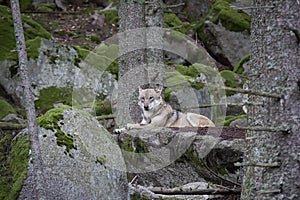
28, 102
139, 63
273, 169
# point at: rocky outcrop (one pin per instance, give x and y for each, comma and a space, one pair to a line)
80, 158
56, 71
225, 32
168, 158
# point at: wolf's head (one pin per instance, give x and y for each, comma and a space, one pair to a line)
150, 98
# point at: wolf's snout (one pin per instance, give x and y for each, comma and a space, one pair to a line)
146, 108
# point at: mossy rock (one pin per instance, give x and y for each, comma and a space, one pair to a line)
51, 120
232, 80
103, 108
105, 58
5, 108
25, 4
52, 95
46, 7
172, 21
229, 119
14, 166
231, 19
111, 17
239, 67
7, 35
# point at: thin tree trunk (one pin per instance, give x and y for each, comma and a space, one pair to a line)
139, 63
275, 65
28, 101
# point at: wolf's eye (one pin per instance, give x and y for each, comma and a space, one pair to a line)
142, 99
151, 98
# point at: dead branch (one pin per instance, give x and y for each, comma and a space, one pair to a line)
251, 164
11, 126
197, 192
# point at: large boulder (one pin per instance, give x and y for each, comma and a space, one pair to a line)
166, 157
225, 32
80, 158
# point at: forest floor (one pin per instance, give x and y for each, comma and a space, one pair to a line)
76, 28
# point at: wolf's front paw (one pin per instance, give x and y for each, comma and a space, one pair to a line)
119, 130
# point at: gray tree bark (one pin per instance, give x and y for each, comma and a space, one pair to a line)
28, 102
140, 62
272, 159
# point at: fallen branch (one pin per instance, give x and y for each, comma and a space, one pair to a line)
197, 192
252, 164
101, 117
11, 126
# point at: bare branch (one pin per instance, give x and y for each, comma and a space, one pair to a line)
251, 164
197, 192
11, 126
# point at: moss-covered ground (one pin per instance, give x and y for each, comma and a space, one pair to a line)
14, 157
7, 37
52, 95
5, 108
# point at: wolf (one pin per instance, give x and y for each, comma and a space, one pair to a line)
157, 113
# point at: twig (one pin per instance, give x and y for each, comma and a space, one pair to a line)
217, 175
143, 191
174, 6
11, 126
225, 104
101, 117
134, 179
282, 128
252, 164
250, 7
275, 191
197, 192
253, 92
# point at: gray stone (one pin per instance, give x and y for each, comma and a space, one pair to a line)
229, 47
93, 170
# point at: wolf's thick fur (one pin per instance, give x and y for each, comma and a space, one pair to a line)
157, 113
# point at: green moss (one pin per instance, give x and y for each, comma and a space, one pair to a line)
229, 119
7, 35
190, 71
51, 120
5, 172
51, 95
5, 108
232, 80
14, 157
105, 57
111, 16
25, 4
172, 21
33, 47
103, 108
239, 67
127, 144
46, 7
231, 19
19, 157
101, 160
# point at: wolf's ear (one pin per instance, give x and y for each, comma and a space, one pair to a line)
159, 89
140, 90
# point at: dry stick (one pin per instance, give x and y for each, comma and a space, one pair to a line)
197, 192
225, 104
253, 92
11, 126
217, 175
282, 128
28, 103
250, 164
